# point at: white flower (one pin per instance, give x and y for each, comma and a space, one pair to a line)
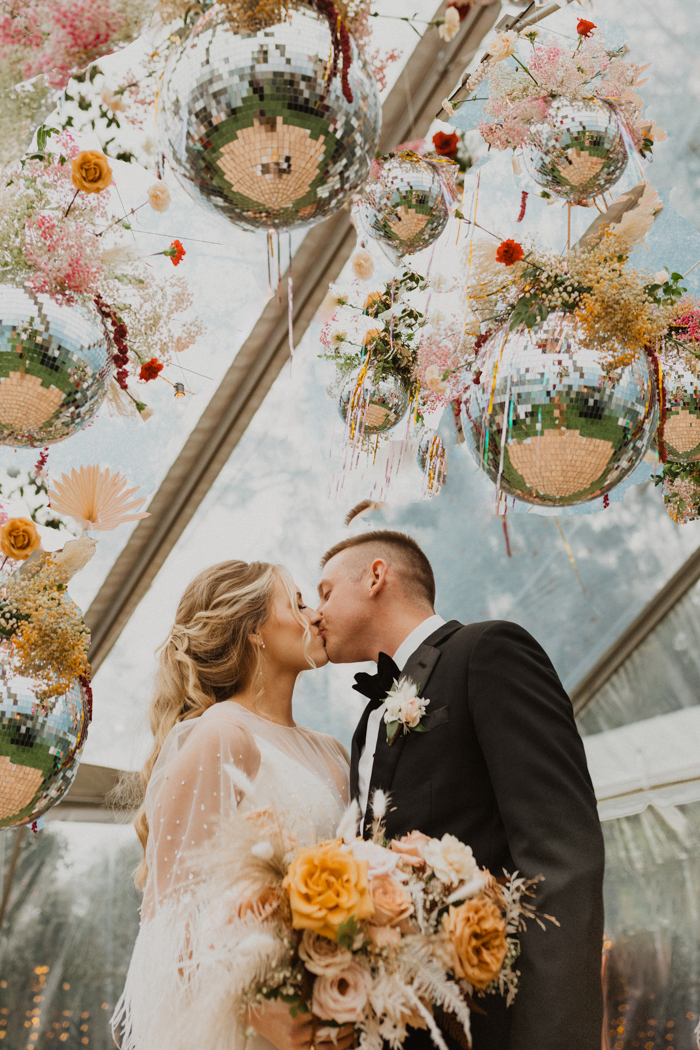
454, 865
75, 555
116, 260
380, 861
448, 107
661, 277
404, 705
264, 850
434, 380
502, 45
450, 27
530, 33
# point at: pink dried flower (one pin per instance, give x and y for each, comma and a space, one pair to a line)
67, 256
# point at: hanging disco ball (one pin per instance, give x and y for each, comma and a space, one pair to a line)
578, 151
547, 424
373, 406
55, 366
40, 746
405, 202
256, 130
681, 428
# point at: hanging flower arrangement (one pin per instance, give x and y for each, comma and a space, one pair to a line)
58, 237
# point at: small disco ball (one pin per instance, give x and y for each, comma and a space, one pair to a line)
404, 205
682, 500
373, 406
40, 746
681, 428
578, 151
255, 129
55, 367
432, 461
571, 432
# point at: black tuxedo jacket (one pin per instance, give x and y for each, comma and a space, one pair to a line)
503, 768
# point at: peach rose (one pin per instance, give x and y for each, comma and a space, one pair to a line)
409, 848
321, 956
90, 171
392, 901
342, 998
159, 196
476, 931
19, 538
384, 936
326, 887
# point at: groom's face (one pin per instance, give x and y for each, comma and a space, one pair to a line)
346, 608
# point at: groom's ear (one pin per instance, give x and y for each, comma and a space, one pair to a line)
377, 578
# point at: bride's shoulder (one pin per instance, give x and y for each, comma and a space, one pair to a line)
328, 743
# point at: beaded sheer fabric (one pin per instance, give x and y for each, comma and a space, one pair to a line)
227, 762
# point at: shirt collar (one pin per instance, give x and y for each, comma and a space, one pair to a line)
416, 638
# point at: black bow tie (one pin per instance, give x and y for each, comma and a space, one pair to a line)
376, 686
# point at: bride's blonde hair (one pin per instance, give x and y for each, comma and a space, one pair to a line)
208, 655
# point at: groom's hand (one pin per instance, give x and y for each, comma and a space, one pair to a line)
275, 1023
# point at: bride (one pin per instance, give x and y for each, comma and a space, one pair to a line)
225, 743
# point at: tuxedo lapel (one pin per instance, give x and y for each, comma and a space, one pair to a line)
358, 739
418, 668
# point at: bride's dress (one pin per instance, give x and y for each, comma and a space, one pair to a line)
227, 761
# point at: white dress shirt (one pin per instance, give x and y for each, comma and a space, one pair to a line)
407, 648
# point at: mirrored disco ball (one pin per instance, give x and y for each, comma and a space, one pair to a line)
578, 151
682, 500
547, 424
373, 406
681, 429
255, 130
404, 205
39, 750
55, 366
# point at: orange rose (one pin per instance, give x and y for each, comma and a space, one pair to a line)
476, 931
90, 172
19, 539
392, 901
327, 886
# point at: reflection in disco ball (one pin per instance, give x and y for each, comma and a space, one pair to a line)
40, 747
255, 130
55, 366
682, 500
571, 432
405, 202
578, 151
373, 406
681, 429
432, 460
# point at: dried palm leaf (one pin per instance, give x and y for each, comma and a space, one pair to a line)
95, 498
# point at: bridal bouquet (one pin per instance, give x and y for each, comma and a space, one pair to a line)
385, 935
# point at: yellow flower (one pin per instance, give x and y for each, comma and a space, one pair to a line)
19, 538
476, 932
327, 886
90, 171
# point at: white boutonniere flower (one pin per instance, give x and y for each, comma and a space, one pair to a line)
404, 708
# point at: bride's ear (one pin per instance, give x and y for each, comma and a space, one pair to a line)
256, 639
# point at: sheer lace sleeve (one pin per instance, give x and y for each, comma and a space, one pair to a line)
198, 781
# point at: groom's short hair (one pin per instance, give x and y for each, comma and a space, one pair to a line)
409, 558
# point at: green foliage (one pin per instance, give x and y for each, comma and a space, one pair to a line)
670, 291
347, 932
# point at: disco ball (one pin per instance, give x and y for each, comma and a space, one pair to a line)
578, 151
404, 205
373, 405
682, 500
40, 747
681, 429
55, 366
256, 131
571, 432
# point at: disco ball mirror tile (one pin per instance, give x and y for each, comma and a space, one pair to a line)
681, 429
39, 749
547, 424
55, 365
578, 151
375, 405
255, 129
403, 204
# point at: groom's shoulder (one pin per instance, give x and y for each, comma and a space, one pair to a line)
501, 629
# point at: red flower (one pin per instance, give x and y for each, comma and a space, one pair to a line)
584, 27
150, 369
446, 145
463, 7
175, 252
509, 252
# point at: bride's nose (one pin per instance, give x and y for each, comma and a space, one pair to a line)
315, 617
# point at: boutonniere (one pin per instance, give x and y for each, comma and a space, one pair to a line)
403, 707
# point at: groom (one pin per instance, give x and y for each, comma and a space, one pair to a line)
501, 766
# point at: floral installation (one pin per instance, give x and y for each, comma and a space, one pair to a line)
681, 490
57, 236
386, 935
404, 709
527, 72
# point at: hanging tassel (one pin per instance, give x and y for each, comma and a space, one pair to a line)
506, 537
290, 301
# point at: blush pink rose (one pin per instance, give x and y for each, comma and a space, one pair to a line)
392, 901
343, 997
384, 936
409, 848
